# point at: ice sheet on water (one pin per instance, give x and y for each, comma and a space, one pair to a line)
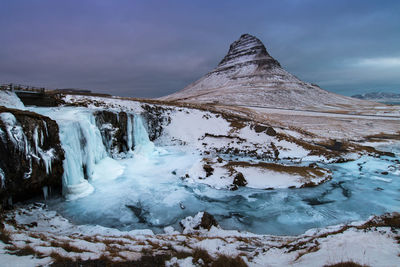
147, 191
149, 195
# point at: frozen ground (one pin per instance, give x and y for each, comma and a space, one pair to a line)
36, 230
151, 191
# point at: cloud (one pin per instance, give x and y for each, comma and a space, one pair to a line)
154, 48
383, 62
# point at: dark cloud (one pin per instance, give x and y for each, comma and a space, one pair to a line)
153, 48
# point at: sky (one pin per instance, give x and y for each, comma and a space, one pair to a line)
154, 48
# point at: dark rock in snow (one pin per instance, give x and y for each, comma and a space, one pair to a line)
270, 131
207, 221
113, 128
260, 128
238, 181
156, 117
31, 155
313, 165
209, 170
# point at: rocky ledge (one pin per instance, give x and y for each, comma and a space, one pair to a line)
31, 157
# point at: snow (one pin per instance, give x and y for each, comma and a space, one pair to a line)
108, 169
9, 99
261, 178
146, 194
112, 103
374, 246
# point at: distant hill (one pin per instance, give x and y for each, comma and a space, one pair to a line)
382, 97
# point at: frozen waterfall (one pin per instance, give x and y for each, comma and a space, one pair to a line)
84, 149
143, 145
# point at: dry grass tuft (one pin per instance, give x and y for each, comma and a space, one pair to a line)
226, 261
202, 254
346, 264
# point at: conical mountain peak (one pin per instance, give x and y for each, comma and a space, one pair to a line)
248, 49
249, 76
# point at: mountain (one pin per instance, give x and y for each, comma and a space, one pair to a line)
384, 97
248, 75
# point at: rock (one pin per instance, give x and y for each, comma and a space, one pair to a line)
266, 129
238, 181
270, 131
113, 128
207, 221
275, 150
202, 220
156, 117
313, 165
31, 156
209, 170
385, 173
260, 128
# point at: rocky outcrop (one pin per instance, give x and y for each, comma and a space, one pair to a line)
39, 99
156, 117
113, 127
31, 156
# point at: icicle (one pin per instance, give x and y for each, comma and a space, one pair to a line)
129, 131
28, 174
14, 131
45, 127
36, 139
45, 192
41, 138
2, 179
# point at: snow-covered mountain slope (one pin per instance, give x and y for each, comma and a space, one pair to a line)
249, 76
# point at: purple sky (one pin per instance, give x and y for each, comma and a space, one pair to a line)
154, 48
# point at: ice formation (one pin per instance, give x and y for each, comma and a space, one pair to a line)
20, 141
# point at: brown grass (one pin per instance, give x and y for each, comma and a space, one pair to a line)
346, 264
67, 247
303, 171
203, 255
226, 261
4, 236
383, 136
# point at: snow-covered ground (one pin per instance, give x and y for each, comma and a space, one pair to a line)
36, 230
149, 192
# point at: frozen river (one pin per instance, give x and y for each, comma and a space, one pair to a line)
147, 189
